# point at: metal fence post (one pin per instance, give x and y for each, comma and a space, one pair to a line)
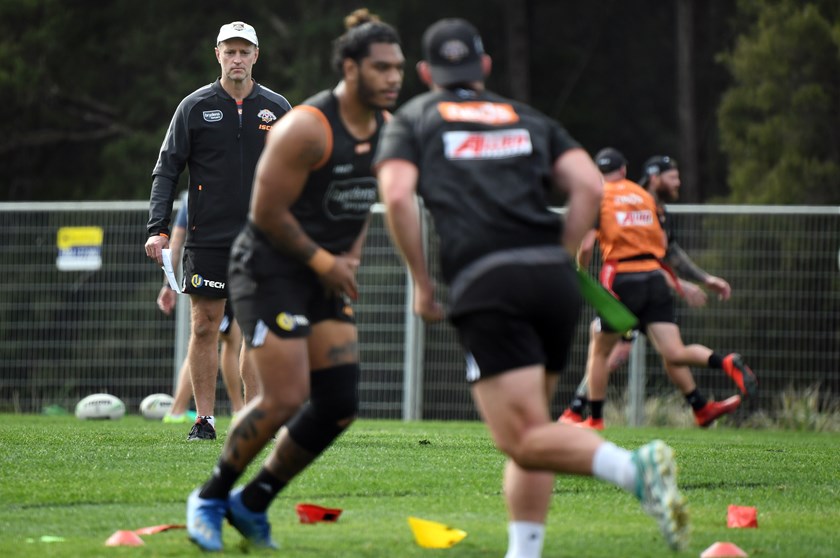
414, 343
636, 382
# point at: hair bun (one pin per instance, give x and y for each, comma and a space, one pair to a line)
359, 17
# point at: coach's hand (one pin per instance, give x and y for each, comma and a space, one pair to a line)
154, 245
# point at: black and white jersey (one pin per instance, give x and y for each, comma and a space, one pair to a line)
485, 170
336, 200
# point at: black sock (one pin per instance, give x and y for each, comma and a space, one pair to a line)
221, 482
696, 399
716, 361
579, 404
596, 409
258, 494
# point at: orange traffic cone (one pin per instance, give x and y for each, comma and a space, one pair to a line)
722, 550
741, 516
312, 513
124, 538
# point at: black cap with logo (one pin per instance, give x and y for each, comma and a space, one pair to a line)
453, 49
656, 165
609, 159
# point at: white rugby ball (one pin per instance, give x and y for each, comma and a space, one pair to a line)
156, 405
100, 406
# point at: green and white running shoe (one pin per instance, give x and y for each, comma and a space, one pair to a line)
656, 488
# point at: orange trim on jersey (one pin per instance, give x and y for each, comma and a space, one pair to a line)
478, 111
327, 128
629, 231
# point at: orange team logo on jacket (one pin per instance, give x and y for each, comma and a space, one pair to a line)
485, 112
629, 229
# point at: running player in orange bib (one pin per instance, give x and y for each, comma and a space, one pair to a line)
634, 245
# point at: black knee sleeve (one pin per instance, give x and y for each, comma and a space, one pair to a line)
333, 399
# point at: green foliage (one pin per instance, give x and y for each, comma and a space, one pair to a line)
82, 481
807, 410
778, 121
88, 92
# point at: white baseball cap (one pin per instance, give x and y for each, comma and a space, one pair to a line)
237, 29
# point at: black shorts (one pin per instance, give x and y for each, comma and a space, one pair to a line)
272, 292
227, 319
647, 295
205, 272
520, 315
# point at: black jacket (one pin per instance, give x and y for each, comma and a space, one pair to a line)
221, 151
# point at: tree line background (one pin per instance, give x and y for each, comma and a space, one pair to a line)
745, 94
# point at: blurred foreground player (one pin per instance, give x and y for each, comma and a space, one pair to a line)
483, 165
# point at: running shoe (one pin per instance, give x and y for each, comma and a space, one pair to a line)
714, 409
570, 417
202, 430
204, 521
656, 488
253, 526
590, 423
741, 374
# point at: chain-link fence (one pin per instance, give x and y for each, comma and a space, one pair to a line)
84, 329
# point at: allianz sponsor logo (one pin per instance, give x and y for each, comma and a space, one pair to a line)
212, 115
634, 218
497, 144
198, 282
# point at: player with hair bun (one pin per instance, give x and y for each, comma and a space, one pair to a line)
293, 278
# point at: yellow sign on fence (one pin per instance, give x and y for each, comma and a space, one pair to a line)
79, 248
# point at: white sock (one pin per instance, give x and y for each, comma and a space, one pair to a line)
615, 465
211, 419
525, 539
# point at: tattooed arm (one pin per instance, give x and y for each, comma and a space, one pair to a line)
293, 148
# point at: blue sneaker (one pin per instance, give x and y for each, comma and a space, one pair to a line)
254, 526
204, 521
656, 488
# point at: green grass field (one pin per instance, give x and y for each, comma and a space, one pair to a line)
81, 481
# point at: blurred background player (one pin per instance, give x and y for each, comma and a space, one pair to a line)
631, 234
229, 335
484, 166
609, 159
293, 276
218, 132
